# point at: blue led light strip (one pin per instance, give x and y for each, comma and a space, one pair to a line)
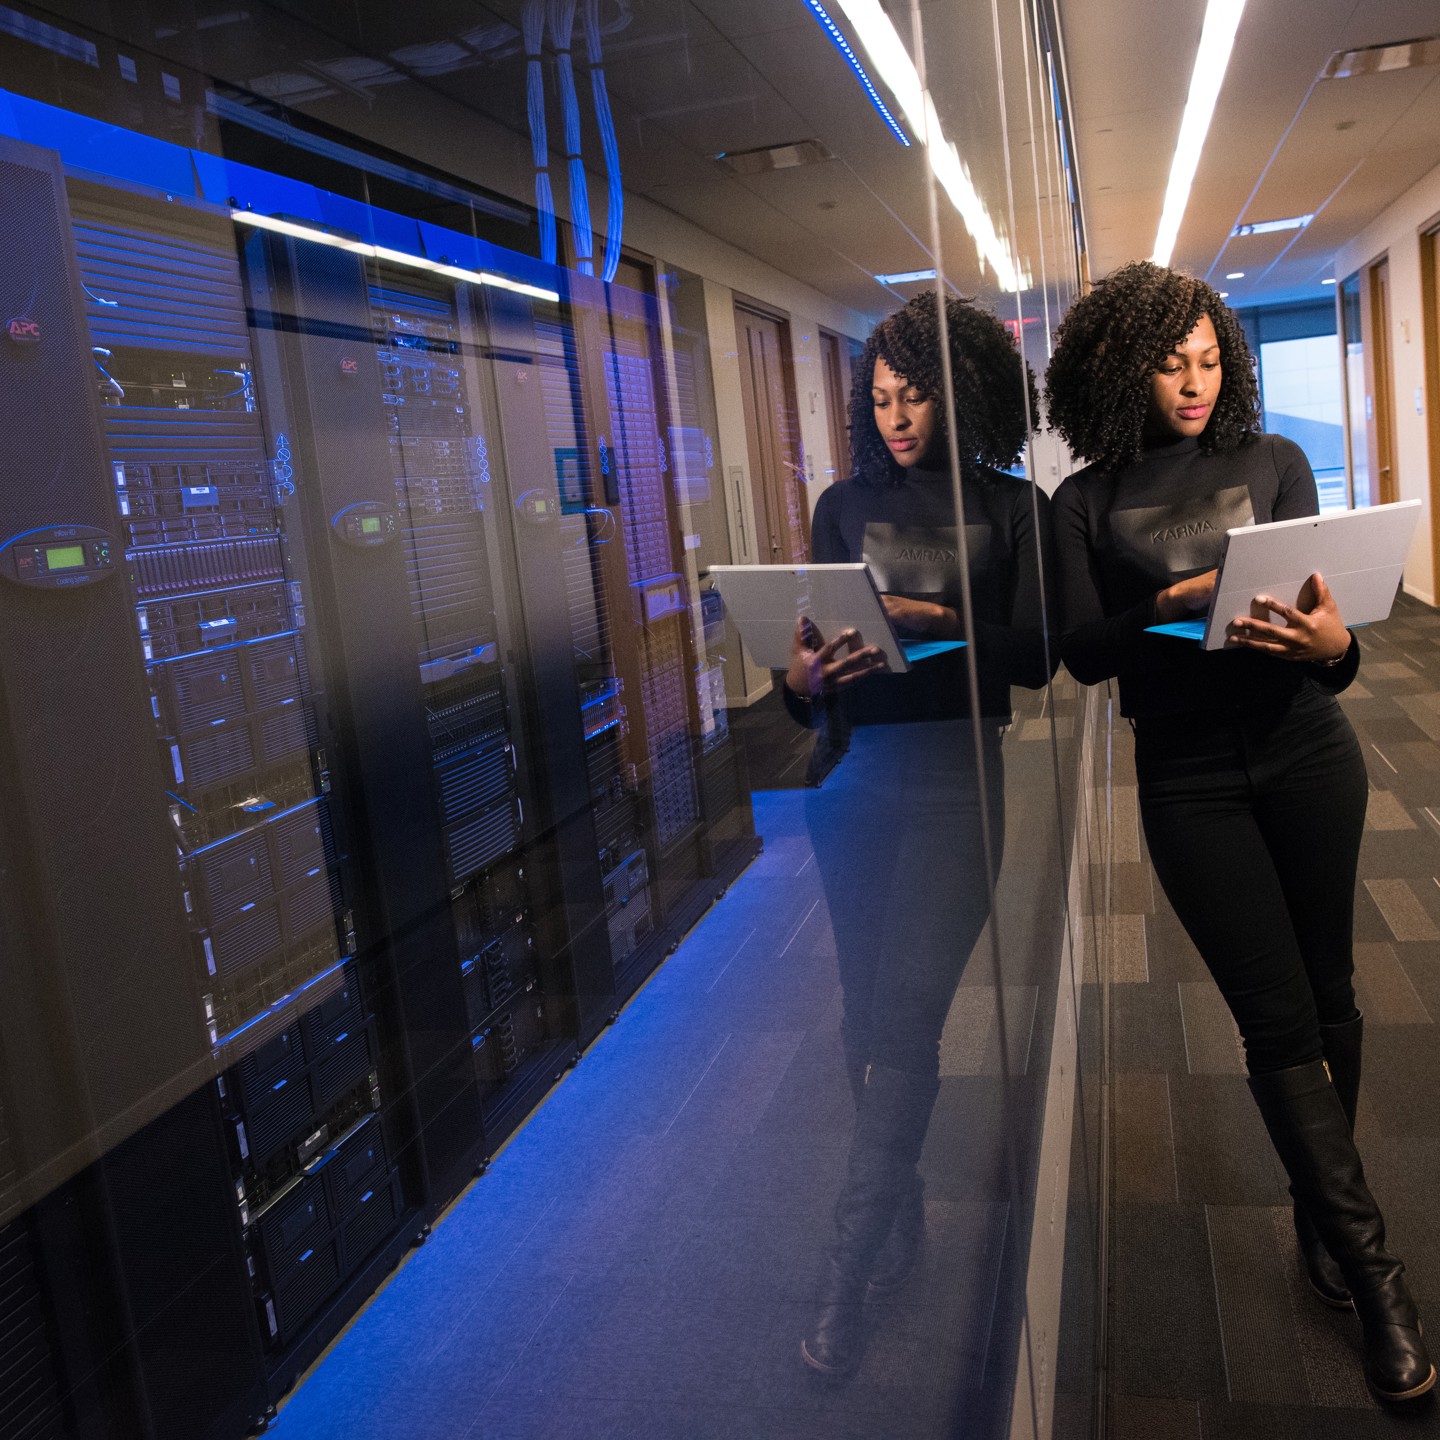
837, 38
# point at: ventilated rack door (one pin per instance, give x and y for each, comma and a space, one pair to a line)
202, 494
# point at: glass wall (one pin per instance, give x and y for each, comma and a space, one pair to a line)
414, 859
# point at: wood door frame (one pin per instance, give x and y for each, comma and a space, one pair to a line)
1379, 380
1430, 333
761, 485
837, 396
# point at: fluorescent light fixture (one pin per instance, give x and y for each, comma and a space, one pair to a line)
1224, 294
396, 257
837, 38
301, 232
1217, 39
1330, 281
905, 277
1269, 227
892, 61
1236, 275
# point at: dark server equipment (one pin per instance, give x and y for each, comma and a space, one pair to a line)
445, 498
219, 595
120, 1175
30, 1395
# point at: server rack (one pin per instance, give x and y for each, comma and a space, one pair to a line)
216, 569
119, 1173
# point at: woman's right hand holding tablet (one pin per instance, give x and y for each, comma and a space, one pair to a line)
817, 664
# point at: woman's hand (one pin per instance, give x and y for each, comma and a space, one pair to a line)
817, 664
921, 618
1185, 597
1313, 632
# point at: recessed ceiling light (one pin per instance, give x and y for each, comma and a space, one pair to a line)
1269, 227
1217, 39
1330, 281
1236, 275
1224, 294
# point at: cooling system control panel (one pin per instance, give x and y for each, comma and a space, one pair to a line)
370, 522
56, 557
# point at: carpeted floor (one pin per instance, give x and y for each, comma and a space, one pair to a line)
1214, 1333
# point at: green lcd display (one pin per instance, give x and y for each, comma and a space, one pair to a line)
65, 557
369, 524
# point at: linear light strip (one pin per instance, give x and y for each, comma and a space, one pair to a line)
397, 257
892, 61
1270, 227
1217, 39
837, 38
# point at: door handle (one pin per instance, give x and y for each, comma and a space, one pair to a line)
740, 513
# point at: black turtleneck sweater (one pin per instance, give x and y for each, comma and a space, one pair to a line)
1120, 537
905, 532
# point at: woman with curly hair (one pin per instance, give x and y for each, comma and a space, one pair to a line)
1252, 785
896, 829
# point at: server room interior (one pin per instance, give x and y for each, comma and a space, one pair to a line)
420, 995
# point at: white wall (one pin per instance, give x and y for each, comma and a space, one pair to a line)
1397, 233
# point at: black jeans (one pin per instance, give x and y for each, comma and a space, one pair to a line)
1254, 827
897, 836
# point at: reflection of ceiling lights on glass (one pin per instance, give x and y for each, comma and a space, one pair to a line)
1269, 227
1217, 38
905, 277
1372, 59
773, 157
892, 62
837, 37
379, 252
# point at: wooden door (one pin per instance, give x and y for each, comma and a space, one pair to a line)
837, 403
1379, 383
772, 434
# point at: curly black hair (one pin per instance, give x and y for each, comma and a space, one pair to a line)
991, 384
1111, 341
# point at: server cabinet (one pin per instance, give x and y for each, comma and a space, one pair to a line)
377, 367
218, 574
669, 841
108, 1091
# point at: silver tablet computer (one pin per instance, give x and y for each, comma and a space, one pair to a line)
1361, 554
764, 601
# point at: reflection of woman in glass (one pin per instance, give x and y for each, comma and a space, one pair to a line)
1252, 785
897, 829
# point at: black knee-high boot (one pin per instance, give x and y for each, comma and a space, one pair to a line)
900, 1251
894, 1113
1342, 1045
1311, 1134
